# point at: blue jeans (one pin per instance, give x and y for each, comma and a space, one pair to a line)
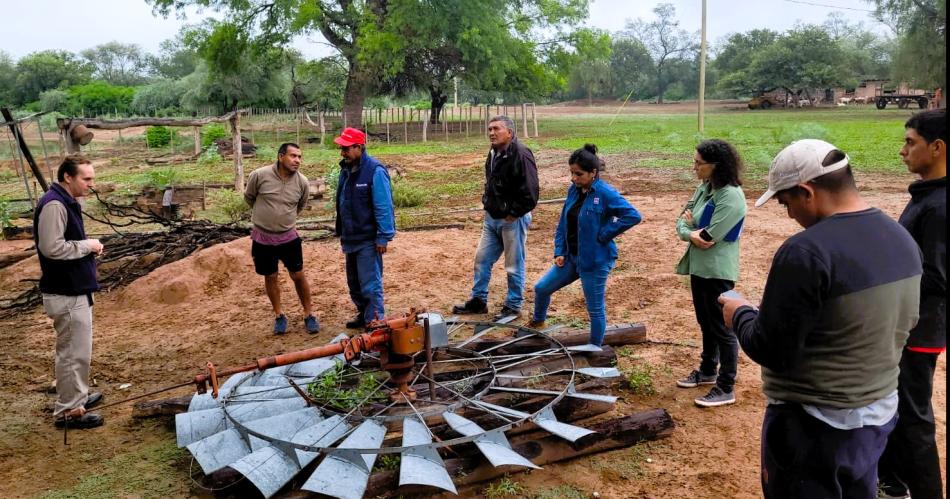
594, 284
364, 277
499, 236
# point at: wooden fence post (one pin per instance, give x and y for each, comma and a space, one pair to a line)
197, 133
323, 131
238, 152
405, 127
534, 117
524, 120
425, 126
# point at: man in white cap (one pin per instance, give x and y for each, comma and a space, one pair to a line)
838, 303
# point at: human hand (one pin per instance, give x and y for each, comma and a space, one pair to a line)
95, 246
381, 248
698, 241
688, 216
730, 305
559, 261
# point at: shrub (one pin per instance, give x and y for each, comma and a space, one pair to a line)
211, 133
158, 136
162, 178
209, 157
6, 216
406, 195
231, 203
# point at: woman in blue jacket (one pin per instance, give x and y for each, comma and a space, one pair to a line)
593, 215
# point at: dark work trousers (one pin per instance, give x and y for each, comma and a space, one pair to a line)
910, 461
720, 345
803, 457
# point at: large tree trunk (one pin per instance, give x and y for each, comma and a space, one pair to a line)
354, 95
660, 88
438, 100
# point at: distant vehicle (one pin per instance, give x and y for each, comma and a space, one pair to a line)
903, 101
765, 102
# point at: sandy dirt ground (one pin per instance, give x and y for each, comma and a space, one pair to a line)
211, 306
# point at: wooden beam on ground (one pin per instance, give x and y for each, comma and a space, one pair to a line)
616, 335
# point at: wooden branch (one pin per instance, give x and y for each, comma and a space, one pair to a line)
68, 123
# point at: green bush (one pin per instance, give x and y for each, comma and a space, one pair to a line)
231, 203
212, 132
209, 157
99, 97
162, 178
6, 216
158, 136
407, 196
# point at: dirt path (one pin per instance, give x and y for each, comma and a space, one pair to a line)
211, 305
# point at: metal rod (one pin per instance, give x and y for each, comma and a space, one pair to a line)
425, 326
531, 335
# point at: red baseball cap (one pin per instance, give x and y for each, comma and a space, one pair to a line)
350, 136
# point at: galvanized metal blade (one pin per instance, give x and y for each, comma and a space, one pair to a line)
323, 434
219, 450
493, 444
344, 474
268, 468
248, 393
204, 401
257, 410
570, 393
191, 427
421, 465
282, 426
599, 372
585, 348
483, 329
547, 420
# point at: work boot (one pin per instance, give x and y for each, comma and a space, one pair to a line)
506, 311
473, 306
280, 324
358, 322
312, 324
92, 400
695, 379
535, 325
79, 419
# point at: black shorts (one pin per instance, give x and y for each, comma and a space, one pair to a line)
265, 256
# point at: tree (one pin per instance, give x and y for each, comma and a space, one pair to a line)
495, 42
7, 79
921, 54
318, 83
632, 67
41, 71
158, 98
117, 63
805, 58
98, 97
175, 58
665, 41
591, 71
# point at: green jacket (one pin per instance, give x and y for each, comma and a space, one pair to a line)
722, 213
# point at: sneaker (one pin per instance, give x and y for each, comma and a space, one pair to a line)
506, 311
87, 420
695, 379
715, 398
312, 324
472, 306
535, 325
358, 322
887, 491
280, 324
92, 400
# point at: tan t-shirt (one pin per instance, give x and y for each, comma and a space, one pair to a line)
275, 201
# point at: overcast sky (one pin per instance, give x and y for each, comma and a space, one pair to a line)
67, 24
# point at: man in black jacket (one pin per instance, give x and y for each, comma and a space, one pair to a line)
511, 192
910, 460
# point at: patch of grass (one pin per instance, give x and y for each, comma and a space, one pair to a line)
387, 462
630, 465
342, 392
162, 178
568, 321
505, 487
561, 492
406, 195
640, 378
231, 203
153, 471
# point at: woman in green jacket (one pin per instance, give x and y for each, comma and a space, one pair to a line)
712, 222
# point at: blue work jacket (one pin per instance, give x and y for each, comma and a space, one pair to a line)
604, 215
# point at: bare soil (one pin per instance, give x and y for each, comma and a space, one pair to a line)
162, 328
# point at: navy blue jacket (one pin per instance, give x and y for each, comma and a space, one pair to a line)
604, 215
65, 277
364, 205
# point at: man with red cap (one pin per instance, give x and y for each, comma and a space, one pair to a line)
365, 223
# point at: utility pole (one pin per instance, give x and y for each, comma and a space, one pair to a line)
702, 73
455, 101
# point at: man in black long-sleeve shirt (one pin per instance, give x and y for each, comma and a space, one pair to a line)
839, 301
511, 192
910, 460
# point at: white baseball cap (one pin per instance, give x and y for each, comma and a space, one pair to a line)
799, 163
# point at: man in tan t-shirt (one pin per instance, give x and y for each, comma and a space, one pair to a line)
277, 194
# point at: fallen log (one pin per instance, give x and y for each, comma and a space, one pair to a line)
11, 258
616, 335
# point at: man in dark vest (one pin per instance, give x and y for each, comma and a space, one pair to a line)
365, 223
68, 265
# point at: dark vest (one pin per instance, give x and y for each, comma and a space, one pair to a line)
356, 216
65, 277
